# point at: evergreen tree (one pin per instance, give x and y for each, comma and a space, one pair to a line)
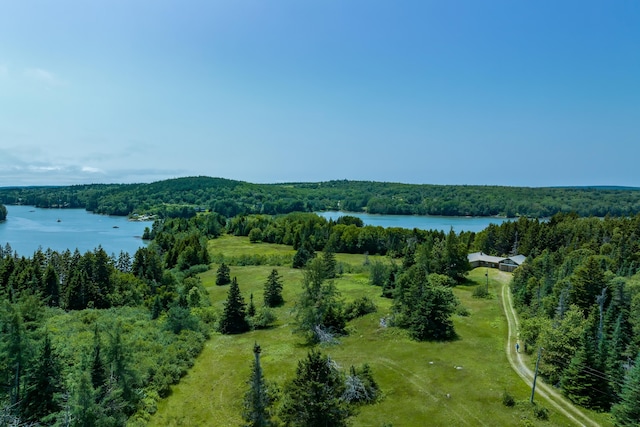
77, 295
123, 264
314, 397
85, 410
627, 412
14, 350
360, 387
51, 286
98, 370
123, 377
223, 275
588, 281
389, 286
318, 311
156, 307
273, 290
257, 400
251, 310
424, 306
329, 262
42, 391
303, 254
579, 383
233, 319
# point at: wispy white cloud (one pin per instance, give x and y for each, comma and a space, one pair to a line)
43, 76
90, 169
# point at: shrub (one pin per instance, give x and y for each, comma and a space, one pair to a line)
263, 319
480, 291
463, 311
255, 235
359, 307
507, 399
541, 412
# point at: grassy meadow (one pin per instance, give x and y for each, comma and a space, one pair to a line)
458, 383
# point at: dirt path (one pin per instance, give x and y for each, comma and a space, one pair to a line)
515, 359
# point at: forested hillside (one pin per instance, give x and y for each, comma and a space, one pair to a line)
579, 300
184, 196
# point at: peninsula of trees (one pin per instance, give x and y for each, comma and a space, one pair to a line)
185, 196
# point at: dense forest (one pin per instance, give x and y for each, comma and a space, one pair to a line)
579, 300
96, 339
185, 196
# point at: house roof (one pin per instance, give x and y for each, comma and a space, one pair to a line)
482, 257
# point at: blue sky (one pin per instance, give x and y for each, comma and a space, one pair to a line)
523, 93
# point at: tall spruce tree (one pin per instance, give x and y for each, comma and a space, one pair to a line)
273, 290
588, 281
251, 309
303, 254
579, 383
98, 369
329, 261
627, 412
257, 400
223, 275
51, 286
84, 408
314, 397
13, 346
424, 306
42, 391
233, 319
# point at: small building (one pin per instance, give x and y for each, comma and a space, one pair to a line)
509, 264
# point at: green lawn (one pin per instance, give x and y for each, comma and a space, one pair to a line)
415, 377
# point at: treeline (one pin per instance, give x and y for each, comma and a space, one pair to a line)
579, 298
96, 339
347, 234
183, 197
432, 262
3, 212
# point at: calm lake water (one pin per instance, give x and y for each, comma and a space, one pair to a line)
28, 228
421, 222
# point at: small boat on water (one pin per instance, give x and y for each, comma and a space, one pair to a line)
59, 220
115, 226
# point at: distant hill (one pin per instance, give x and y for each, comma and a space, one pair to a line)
185, 196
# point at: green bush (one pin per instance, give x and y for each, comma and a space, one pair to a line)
507, 399
541, 412
359, 307
263, 319
481, 291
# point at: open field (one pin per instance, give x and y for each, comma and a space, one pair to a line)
414, 377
